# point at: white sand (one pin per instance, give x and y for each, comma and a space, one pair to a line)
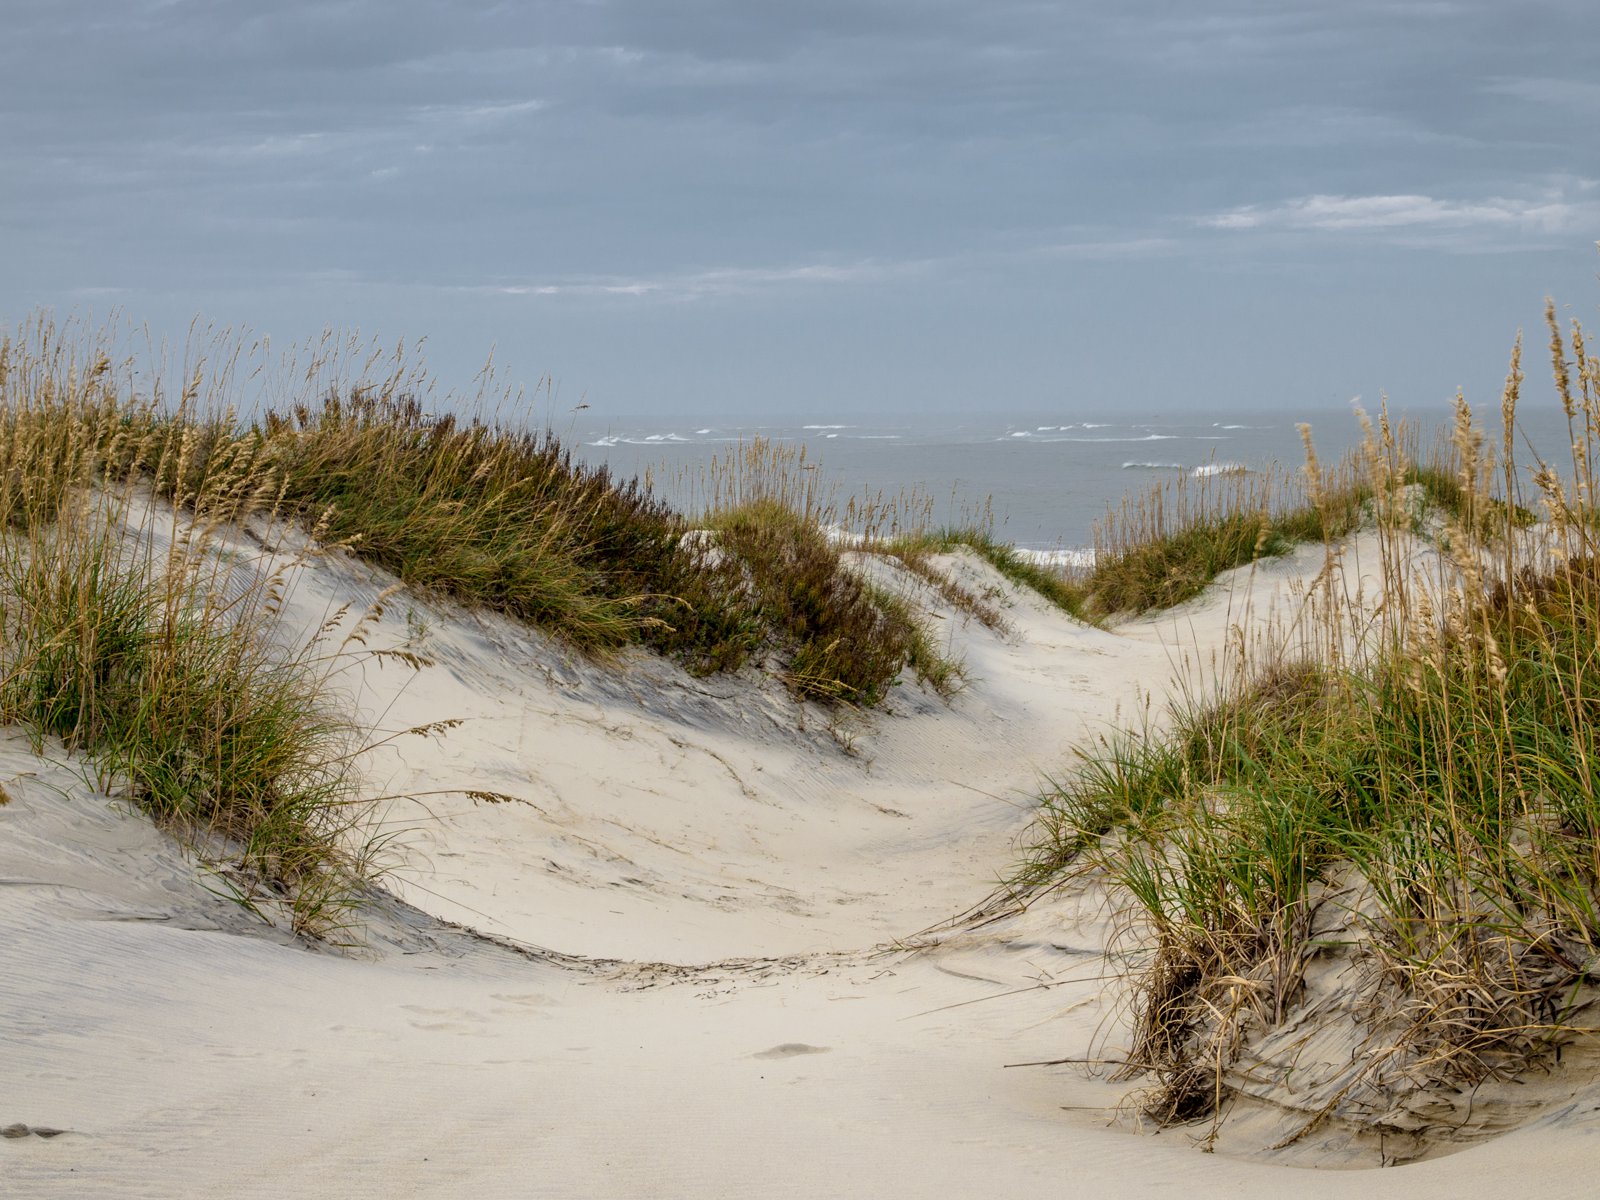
830, 1048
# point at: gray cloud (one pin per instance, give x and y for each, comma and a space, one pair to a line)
721, 281
1568, 208
615, 157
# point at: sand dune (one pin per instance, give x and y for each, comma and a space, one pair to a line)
726, 954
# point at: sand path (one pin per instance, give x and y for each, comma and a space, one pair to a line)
740, 996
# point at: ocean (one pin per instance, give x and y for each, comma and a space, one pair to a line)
1044, 479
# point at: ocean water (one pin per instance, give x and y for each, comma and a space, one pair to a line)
1045, 479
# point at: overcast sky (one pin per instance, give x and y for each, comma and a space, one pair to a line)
827, 206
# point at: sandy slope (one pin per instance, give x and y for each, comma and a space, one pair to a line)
742, 996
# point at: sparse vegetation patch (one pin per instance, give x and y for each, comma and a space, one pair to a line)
1425, 805
131, 639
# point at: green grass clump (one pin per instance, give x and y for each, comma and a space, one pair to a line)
944, 674
1169, 570
163, 669
502, 520
1054, 585
840, 640
1472, 509
1165, 548
509, 522
1439, 775
192, 712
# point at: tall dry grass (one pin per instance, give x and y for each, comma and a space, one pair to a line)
1159, 548
780, 544
492, 516
141, 633
132, 636
764, 470
507, 520
1421, 793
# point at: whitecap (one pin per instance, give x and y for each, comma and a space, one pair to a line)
1221, 468
1149, 437
1079, 557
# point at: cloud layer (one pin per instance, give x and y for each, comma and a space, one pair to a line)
1570, 209
302, 160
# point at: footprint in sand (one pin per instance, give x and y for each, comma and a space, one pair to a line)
19, 1130
791, 1050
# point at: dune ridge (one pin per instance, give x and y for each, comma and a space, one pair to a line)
357, 837
728, 951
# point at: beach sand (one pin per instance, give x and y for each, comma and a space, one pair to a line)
734, 947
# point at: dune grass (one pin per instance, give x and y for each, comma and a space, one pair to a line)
508, 521
497, 518
161, 662
1157, 549
1425, 797
780, 553
840, 642
1162, 548
1055, 585
133, 635
136, 643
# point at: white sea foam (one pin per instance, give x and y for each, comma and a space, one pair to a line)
666, 439
1149, 437
838, 535
1082, 556
1047, 479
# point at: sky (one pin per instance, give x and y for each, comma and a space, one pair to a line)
823, 207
